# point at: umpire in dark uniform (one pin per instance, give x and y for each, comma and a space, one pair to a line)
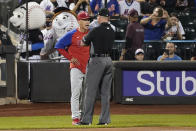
99, 69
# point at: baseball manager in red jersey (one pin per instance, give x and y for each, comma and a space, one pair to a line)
69, 47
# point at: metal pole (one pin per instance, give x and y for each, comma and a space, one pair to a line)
27, 32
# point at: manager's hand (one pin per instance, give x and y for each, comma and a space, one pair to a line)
75, 61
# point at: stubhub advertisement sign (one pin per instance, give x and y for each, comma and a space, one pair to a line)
159, 83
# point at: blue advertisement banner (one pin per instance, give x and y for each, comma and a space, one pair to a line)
159, 83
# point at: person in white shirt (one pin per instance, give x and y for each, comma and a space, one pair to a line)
48, 51
62, 3
174, 29
127, 5
49, 5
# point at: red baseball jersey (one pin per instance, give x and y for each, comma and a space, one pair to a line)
69, 47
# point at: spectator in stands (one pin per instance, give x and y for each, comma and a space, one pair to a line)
154, 29
173, 14
193, 54
167, 4
111, 5
113, 8
134, 37
128, 5
96, 5
47, 5
193, 58
69, 47
139, 54
154, 25
50, 5
174, 29
48, 52
63, 3
147, 7
182, 3
81, 5
169, 53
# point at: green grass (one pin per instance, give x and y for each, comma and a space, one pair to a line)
52, 122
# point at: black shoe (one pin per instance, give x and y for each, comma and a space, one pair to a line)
102, 124
82, 123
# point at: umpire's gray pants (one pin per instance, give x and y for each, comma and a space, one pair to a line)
99, 74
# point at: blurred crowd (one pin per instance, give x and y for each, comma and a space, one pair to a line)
149, 20
160, 19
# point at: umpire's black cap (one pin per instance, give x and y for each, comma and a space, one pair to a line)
103, 12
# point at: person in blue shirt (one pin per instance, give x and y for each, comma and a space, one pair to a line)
154, 25
112, 6
169, 53
154, 29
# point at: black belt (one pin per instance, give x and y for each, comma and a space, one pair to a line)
99, 55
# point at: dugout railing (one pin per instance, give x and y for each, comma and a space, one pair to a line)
154, 48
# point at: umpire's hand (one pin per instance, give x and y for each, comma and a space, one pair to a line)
75, 61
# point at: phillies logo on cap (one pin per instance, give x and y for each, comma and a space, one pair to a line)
83, 15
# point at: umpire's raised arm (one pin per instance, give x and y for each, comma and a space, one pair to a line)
87, 39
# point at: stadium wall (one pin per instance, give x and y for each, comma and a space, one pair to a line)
144, 82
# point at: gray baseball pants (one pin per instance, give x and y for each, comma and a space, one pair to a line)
99, 74
77, 78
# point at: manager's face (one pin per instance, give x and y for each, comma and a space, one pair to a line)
84, 24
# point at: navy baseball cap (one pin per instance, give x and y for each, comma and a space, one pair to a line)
103, 12
133, 13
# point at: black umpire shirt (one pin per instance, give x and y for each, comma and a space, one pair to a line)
102, 38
